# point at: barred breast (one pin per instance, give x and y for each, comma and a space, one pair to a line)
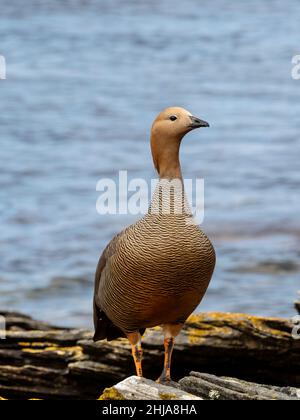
156, 272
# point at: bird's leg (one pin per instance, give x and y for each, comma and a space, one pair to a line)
137, 352
171, 331
166, 374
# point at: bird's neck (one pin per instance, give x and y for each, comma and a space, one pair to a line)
165, 153
169, 197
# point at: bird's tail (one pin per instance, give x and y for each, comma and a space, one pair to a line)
104, 328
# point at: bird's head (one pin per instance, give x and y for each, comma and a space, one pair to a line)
168, 129
175, 122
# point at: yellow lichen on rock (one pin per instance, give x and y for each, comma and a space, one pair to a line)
38, 345
201, 326
75, 351
199, 336
111, 394
167, 396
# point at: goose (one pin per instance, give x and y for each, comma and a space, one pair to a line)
156, 271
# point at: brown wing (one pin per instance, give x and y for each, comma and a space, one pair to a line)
104, 328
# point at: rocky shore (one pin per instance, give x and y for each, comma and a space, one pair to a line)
217, 356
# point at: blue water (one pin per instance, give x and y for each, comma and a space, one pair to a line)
85, 80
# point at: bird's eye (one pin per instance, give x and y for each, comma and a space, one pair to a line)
173, 118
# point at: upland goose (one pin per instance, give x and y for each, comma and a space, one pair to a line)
156, 271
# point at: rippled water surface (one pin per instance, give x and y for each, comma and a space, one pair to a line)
85, 80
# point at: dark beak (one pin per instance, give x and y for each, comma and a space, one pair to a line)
197, 123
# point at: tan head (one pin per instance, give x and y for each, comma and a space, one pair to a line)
168, 129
